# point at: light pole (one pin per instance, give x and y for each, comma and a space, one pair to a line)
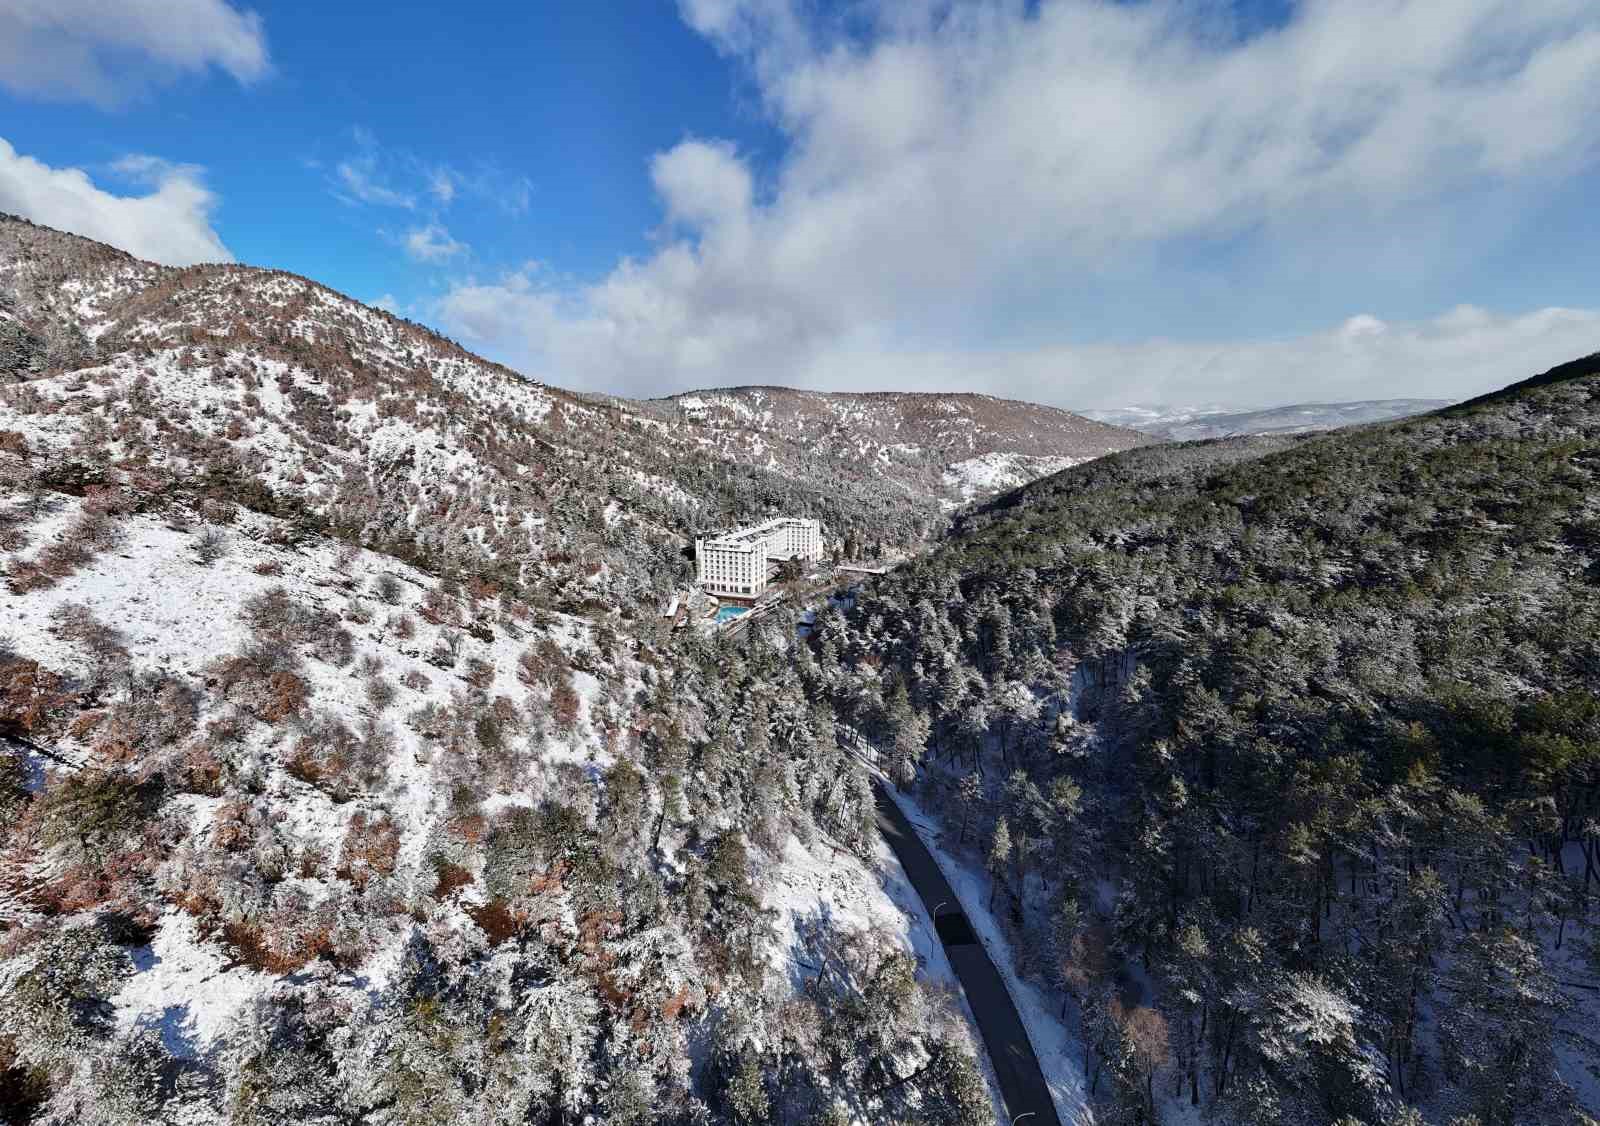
933, 939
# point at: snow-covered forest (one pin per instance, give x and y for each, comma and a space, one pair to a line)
350, 773
1281, 757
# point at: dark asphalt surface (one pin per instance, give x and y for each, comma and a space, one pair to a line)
1022, 1083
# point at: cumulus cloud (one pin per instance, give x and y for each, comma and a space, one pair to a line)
431, 243
1463, 352
102, 51
169, 223
947, 151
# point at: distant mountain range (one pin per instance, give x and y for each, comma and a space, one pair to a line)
954, 447
1192, 423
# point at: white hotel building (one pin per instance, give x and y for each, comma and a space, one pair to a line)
741, 563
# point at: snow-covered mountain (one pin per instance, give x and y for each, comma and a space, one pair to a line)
1184, 424
343, 414
954, 446
348, 772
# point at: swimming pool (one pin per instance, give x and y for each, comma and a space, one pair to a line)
728, 613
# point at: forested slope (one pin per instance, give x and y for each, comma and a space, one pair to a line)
1284, 755
348, 773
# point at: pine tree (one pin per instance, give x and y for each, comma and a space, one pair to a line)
999, 858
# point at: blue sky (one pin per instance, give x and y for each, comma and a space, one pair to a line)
1076, 202
565, 102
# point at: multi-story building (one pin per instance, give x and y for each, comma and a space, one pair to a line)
741, 563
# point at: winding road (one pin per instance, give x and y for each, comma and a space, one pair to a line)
1022, 1086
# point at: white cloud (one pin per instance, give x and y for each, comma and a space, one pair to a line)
395, 177
357, 182
702, 184
432, 243
103, 51
442, 183
955, 149
1463, 352
170, 223
1460, 353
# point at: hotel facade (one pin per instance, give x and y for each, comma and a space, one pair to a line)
741, 564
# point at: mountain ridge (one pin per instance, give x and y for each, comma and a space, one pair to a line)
1262, 722
349, 770
1184, 424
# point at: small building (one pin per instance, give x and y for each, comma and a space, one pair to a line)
740, 564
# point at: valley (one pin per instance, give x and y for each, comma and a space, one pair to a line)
354, 768
557, 569
333, 658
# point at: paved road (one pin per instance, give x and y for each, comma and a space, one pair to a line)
1015, 1066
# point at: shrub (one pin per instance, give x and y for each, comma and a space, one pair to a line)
260, 683
159, 711
334, 646
96, 808
71, 477
564, 703
480, 673
496, 919
235, 825
333, 758
23, 1087
380, 692
488, 731
286, 694
198, 771
275, 617
210, 546
56, 1002
387, 588
277, 949
541, 665
369, 849
105, 646
312, 862
450, 877
439, 608
32, 699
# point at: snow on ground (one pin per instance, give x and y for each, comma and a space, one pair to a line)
180, 616
1057, 1049
827, 883
995, 472
184, 987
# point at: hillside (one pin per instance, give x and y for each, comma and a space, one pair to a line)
1188, 424
955, 446
1278, 759
347, 773
305, 404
